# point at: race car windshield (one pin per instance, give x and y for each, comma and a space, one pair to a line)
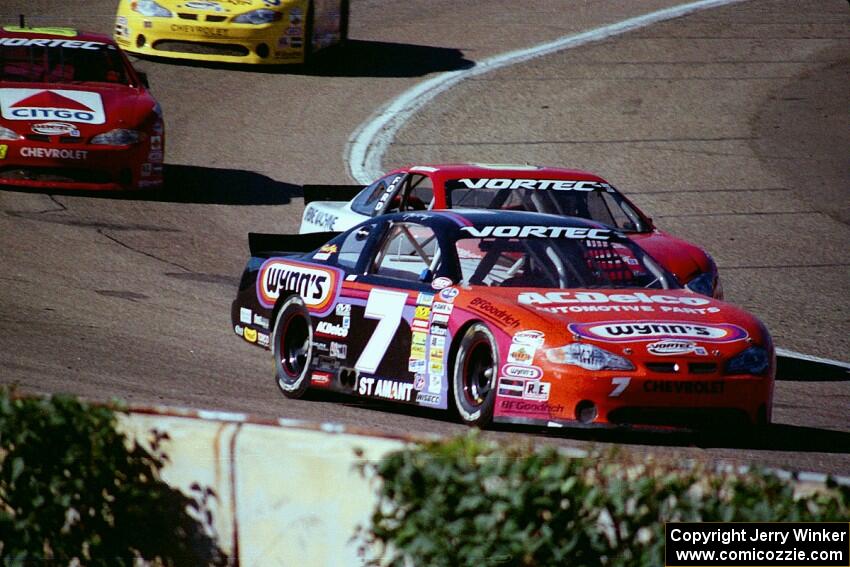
38, 64
558, 263
583, 199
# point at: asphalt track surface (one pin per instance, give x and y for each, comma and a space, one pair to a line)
729, 126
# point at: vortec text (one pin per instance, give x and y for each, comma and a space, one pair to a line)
531, 231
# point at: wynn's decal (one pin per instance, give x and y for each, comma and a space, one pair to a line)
541, 184
534, 231
622, 331
315, 285
523, 372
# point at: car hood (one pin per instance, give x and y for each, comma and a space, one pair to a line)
89, 108
683, 259
616, 316
223, 7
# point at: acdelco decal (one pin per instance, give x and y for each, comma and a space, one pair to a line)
595, 297
314, 285
623, 331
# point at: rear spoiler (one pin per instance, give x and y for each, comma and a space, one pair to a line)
330, 192
287, 243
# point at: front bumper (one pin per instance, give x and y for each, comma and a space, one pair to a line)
25, 163
203, 40
652, 401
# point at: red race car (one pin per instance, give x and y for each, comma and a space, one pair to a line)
552, 190
74, 114
503, 316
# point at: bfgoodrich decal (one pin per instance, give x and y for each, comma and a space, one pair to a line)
623, 331
315, 285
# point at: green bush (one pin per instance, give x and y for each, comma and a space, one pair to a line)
75, 489
466, 501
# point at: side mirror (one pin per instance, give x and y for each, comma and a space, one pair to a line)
143, 78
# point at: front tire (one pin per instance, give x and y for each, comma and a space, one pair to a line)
474, 376
292, 345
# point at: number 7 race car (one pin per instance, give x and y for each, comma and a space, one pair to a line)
74, 114
552, 190
502, 316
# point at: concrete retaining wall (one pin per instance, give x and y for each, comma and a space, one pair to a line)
286, 493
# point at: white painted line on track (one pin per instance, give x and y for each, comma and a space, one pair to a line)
370, 140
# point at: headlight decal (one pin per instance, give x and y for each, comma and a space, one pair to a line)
118, 137
258, 17
588, 356
150, 9
7, 134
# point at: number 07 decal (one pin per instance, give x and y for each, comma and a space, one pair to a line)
385, 306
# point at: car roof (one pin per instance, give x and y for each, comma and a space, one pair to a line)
54, 33
511, 171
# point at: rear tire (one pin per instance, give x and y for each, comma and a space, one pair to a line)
474, 376
292, 345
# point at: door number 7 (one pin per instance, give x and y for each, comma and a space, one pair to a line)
385, 306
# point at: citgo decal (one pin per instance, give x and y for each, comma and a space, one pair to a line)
624, 331
316, 286
52, 104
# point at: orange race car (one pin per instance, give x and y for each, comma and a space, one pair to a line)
502, 316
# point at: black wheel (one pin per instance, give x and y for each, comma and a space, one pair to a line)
308, 36
292, 345
474, 375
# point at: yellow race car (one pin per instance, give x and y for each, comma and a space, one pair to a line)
231, 31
